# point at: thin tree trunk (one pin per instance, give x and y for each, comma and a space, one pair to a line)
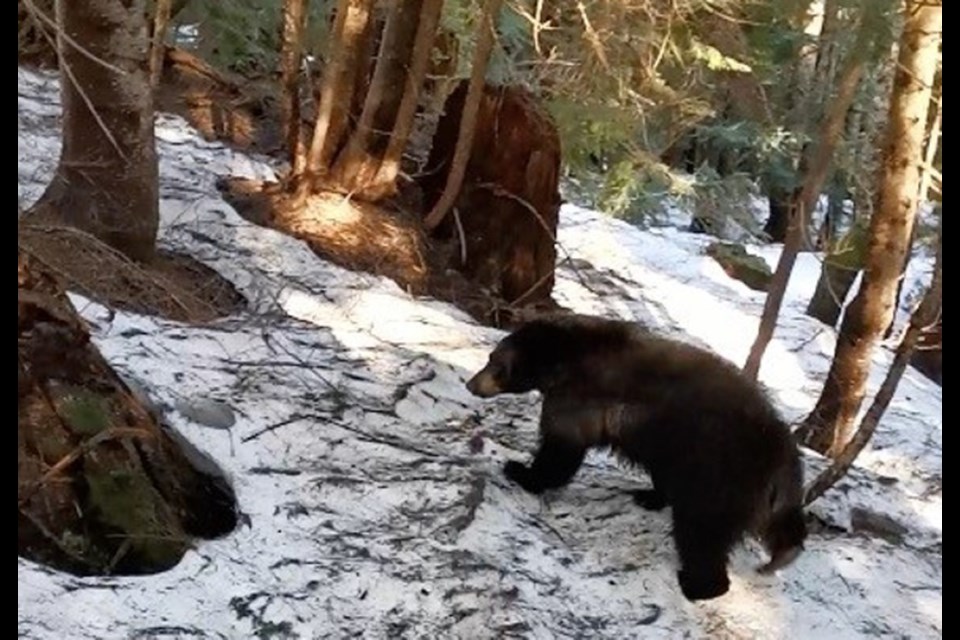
291, 48
925, 315
359, 161
384, 182
830, 423
106, 180
340, 77
815, 166
471, 106
161, 22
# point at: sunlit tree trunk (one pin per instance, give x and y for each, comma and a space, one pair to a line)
478, 74
291, 49
359, 161
831, 422
351, 31
385, 181
925, 315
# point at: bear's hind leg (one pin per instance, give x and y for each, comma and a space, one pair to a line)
554, 465
703, 543
654, 498
650, 499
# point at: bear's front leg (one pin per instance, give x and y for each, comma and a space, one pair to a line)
555, 463
703, 542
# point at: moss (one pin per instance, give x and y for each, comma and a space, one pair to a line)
85, 412
128, 507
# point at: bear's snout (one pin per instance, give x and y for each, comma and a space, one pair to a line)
483, 385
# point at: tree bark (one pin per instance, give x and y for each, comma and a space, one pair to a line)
384, 184
925, 315
352, 29
478, 74
106, 179
358, 163
291, 49
830, 423
814, 165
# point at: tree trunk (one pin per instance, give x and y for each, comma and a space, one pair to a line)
357, 164
814, 165
351, 31
158, 47
924, 316
840, 268
106, 180
831, 421
778, 220
384, 184
291, 48
478, 74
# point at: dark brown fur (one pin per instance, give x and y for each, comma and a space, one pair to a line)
714, 446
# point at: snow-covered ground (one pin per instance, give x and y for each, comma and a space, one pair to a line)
370, 480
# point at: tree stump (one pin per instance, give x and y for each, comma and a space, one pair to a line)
504, 222
101, 488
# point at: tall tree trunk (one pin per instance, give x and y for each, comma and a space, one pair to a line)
352, 29
830, 423
814, 165
291, 49
385, 181
359, 161
839, 271
106, 180
924, 316
161, 23
471, 105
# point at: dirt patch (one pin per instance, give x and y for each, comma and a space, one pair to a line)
172, 286
382, 240
221, 105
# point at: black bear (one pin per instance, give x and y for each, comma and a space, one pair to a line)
716, 450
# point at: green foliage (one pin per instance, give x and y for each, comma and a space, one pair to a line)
244, 35
587, 127
716, 201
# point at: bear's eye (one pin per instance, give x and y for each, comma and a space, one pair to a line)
500, 370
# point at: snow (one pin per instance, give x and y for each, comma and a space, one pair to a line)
367, 511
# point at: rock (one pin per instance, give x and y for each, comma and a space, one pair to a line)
878, 524
209, 413
738, 264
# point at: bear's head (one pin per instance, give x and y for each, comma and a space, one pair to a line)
505, 372
525, 360
552, 352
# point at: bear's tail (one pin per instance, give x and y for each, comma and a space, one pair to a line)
785, 529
